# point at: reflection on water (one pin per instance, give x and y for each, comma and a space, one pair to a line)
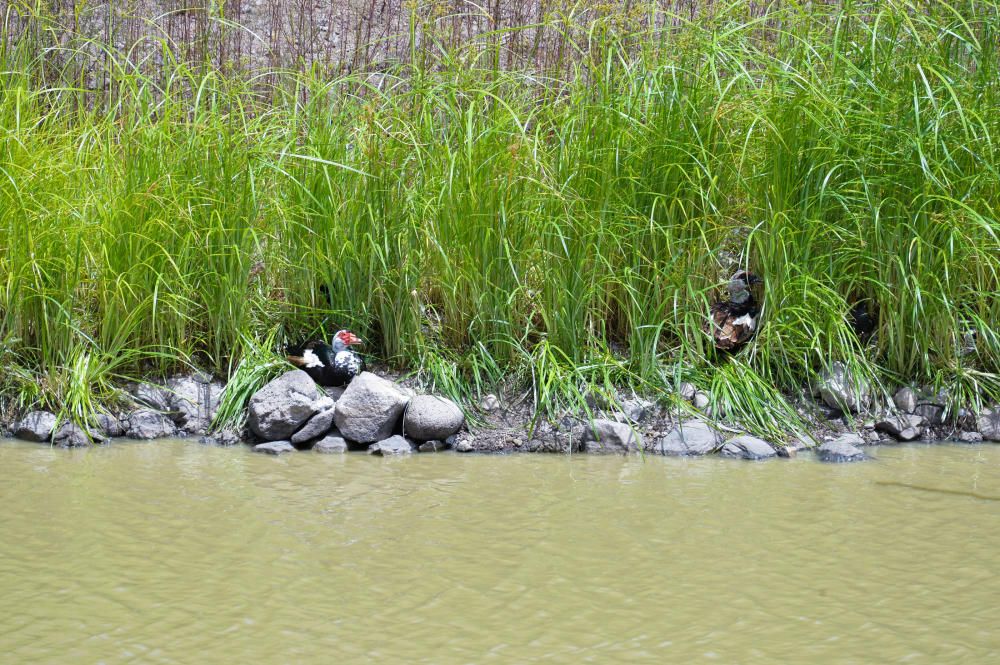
172, 552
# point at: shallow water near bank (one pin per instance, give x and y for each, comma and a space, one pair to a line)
173, 552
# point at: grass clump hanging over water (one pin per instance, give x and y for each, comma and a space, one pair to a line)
480, 224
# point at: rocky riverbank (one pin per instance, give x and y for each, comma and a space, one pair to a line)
387, 417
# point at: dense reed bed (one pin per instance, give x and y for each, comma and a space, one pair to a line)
478, 224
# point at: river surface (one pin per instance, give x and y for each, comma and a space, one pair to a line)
173, 552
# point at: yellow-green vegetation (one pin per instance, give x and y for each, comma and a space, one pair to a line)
479, 224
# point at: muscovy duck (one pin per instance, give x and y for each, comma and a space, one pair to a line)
333, 364
734, 321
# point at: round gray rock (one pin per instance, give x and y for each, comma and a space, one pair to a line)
394, 445
274, 448
904, 427
905, 399
747, 447
109, 425
989, 423
369, 409
608, 436
431, 417
36, 426
691, 437
841, 390
330, 445
842, 449
72, 435
147, 424
281, 407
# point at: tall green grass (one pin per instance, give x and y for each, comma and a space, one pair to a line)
482, 225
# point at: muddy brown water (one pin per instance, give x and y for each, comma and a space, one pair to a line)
172, 552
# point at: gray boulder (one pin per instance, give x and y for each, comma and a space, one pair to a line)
607, 436
193, 402
905, 400
281, 407
369, 409
989, 423
701, 400
330, 445
71, 435
394, 445
691, 437
36, 426
636, 410
274, 448
842, 449
904, 427
970, 437
110, 425
747, 447
317, 426
932, 413
151, 395
148, 424
430, 417
840, 390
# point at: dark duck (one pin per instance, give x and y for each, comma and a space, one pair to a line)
333, 364
734, 321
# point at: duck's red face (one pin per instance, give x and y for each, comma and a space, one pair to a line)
348, 338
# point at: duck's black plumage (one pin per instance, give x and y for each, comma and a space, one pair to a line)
734, 321
862, 322
329, 364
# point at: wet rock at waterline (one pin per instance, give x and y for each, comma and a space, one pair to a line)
905, 427
970, 437
747, 447
281, 407
148, 424
193, 402
317, 426
691, 437
842, 449
840, 390
394, 445
225, 438
274, 448
36, 426
72, 435
989, 423
110, 426
433, 446
330, 445
369, 409
608, 436
430, 417
905, 400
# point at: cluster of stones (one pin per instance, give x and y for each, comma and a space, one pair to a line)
914, 413
185, 405
292, 413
